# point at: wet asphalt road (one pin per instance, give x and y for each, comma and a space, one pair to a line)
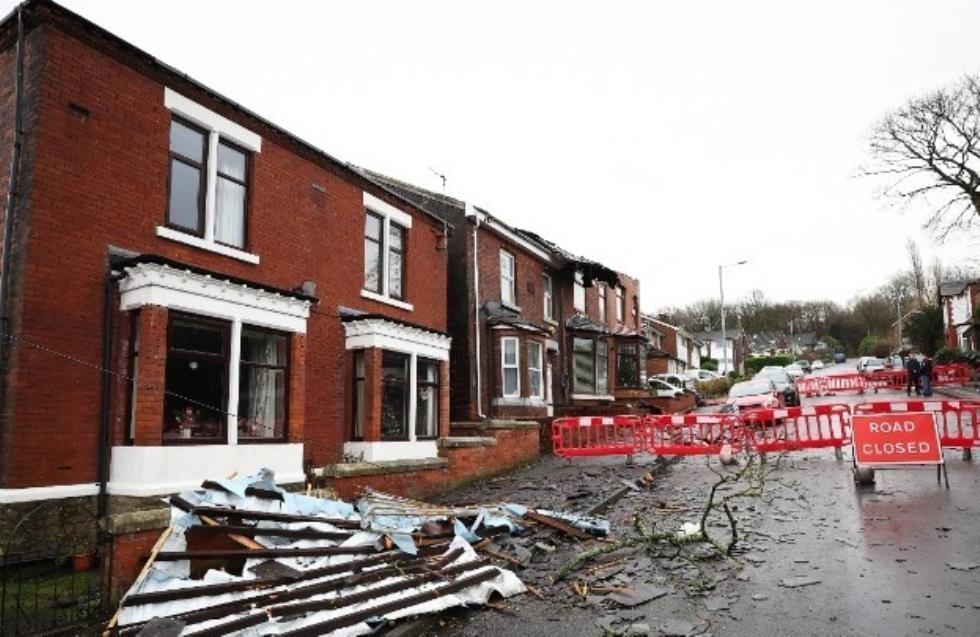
901, 557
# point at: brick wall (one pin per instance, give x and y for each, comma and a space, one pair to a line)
100, 180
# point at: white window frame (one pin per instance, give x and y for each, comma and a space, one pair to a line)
217, 128
548, 297
620, 303
389, 215
508, 279
602, 302
578, 293
533, 371
515, 366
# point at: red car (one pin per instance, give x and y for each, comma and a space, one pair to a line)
760, 393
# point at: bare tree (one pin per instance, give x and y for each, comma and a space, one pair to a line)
917, 272
930, 151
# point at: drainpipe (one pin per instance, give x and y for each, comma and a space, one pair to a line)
12, 186
108, 312
476, 309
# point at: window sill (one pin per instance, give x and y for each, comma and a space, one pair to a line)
551, 322
592, 397
374, 296
511, 307
203, 244
519, 401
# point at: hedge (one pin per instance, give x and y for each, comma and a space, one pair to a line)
754, 363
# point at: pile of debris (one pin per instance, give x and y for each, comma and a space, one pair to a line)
243, 556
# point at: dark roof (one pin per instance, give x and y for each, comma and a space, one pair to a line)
715, 335
442, 206
582, 323
498, 314
953, 288
33, 13
178, 265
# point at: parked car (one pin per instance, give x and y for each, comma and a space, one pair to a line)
805, 365
894, 362
872, 364
840, 357
795, 371
815, 365
663, 389
701, 374
783, 383
676, 380
754, 394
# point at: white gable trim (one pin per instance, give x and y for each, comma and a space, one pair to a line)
165, 286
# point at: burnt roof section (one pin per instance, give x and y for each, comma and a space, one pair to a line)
179, 265
581, 323
37, 11
591, 270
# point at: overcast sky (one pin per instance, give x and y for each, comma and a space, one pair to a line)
662, 138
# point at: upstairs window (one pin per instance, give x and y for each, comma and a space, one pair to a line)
191, 170
188, 167
385, 249
508, 278
636, 310
620, 304
602, 303
549, 298
578, 297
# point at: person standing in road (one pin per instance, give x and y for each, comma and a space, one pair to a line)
912, 369
926, 375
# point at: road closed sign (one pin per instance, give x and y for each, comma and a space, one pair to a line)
895, 439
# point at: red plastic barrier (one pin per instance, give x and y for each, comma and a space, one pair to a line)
838, 383
813, 386
887, 379
692, 434
597, 436
955, 374
818, 427
959, 421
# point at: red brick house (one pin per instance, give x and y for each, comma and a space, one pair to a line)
960, 304
189, 290
537, 331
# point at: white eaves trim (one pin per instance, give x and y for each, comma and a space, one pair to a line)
511, 236
165, 286
57, 492
204, 244
379, 333
385, 209
190, 110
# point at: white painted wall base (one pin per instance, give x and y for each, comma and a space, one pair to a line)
56, 492
145, 471
392, 450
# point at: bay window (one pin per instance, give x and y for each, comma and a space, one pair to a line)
427, 399
394, 395
508, 278
199, 356
628, 365
262, 381
196, 388
510, 366
535, 370
590, 361
359, 380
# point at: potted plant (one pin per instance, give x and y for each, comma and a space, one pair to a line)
82, 558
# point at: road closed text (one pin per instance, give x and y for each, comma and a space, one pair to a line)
909, 438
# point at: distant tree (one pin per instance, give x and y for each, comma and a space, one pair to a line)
867, 344
832, 343
929, 150
925, 329
917, 273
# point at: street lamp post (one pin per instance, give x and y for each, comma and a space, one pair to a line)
724, 335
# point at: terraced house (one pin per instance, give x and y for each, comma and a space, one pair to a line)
537, 331
191, 291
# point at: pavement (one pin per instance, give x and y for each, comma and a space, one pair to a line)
816, 554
